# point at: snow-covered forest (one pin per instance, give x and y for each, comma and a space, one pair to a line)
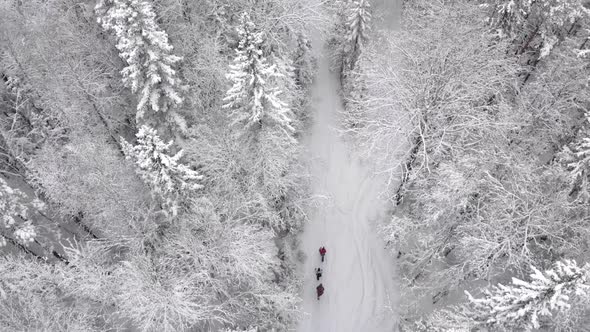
175, 165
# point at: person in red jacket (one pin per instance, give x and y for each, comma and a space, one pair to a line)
323, 252
320, 290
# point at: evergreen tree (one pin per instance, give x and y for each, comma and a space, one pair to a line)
254, 98
166, 177
522, 304
358, 20
147, 51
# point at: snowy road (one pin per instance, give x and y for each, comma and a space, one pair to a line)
358, 278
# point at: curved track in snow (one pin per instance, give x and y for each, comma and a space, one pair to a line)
360, 292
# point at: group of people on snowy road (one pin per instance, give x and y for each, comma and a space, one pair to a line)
318, 274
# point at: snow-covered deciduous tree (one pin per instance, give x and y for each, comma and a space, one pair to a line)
440, 321
254, 98
508, 15
483, 199
536, 25
523, 304
206, 272
250, 329
359, 17
18, 130
15, 214
146, 49
167, 178
35, 296
303, 62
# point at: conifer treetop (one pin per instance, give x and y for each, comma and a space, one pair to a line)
359, 17
252, 98
147, 51
522, 304
163, 173
357, 21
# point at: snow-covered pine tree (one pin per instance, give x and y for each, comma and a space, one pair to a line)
254, 98
359, 17
167, 178
576, 158
520, 306
147, 51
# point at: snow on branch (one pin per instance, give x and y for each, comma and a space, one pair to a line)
253, 98
522, 304
576, 158
509, 16
166, 177
359, 17
147, 51
250, 329
15, 212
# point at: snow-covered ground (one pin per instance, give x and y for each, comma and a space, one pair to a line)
360, 292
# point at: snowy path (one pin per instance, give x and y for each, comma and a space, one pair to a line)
360, 293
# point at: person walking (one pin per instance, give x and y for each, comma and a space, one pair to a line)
320, 290
318, 273
323, 252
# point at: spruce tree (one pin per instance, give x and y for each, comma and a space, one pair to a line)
147, 51
523, 304
166, 177
254, 99
359, 17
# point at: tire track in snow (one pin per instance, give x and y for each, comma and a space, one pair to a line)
371, 277
359, 216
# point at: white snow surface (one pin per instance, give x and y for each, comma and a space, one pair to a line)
358, 275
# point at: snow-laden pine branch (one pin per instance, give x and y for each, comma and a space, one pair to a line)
522, 304
254, 98
146, 49
162, 172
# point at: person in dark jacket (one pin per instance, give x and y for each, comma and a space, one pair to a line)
320, 290
323, 252
318, 273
